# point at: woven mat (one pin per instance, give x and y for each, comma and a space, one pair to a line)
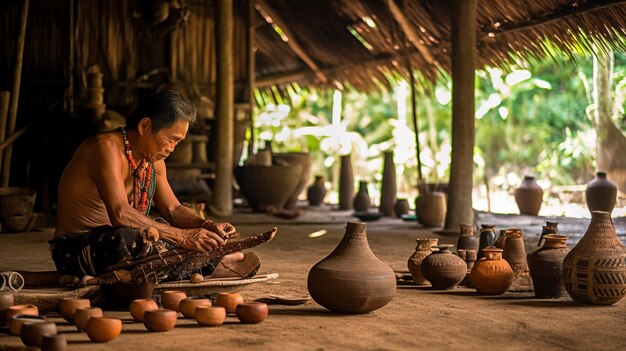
215, 285
49, 299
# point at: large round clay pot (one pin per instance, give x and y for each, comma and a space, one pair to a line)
601, 193
188, 306
56, 342
467, 239
6, 301
83, 315
316, 192
299, 158
388, 186
160, 320
362, 201
546, 266
529, 196
15, 325
103, 329
265, 186
139, 307
487, 238
430, 209
32, 333
346, 184
491, 275
515, 254
229, 301
211, 316
170, 299
422, 249
443, 269
351, 279
594, 271
252, 312
401, 207
69, 305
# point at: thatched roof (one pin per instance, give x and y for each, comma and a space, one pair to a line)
325, 30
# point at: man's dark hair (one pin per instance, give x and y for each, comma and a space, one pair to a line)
163, 109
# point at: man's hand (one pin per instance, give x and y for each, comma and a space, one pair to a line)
225, 230
200, 239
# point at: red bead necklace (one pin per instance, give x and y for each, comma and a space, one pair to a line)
143, 182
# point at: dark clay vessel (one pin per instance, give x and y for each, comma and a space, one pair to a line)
601, 193
467, 239
546, 266
529, 196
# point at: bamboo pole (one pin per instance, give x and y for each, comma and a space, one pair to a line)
250, 59
460, 209
5, 98
224, 109
15, 92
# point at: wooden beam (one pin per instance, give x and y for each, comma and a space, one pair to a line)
409, 31
250, 60
274, 19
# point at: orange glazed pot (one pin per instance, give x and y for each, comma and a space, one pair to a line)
170, 299
138, 308
188, 306
69, 305
103, 329
229, 301
160, 320
491, 275
252, 313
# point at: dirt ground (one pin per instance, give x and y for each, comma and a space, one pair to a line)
416, 318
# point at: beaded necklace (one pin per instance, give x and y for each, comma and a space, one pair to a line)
143, 182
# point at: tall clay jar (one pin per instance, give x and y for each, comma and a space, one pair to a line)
546, 266
352, 279
487, 238
601, 193
422, 249
594, 271
362, 200
491, 275
388, 187
316, 192
431, 208
346, 184
467, 239
443, 269
514, 253
529, 196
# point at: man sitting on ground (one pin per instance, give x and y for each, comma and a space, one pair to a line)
107, 188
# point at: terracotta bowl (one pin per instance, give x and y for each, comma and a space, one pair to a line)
229, 301
16, 322
32, 333
31, 310
252, 313
103, 329
69, 305
54, 343
160, 320
84, 314
210, 316
188, 306
170, 299
196, 278
139, 307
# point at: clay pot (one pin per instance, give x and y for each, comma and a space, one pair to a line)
601, 193
139, 307
265, 186
594, 271
103, 329
529, 196
546, 266
210, 316
54, 343
491, 275
160, 320
423, 249
401, 207
83, 315
467, 239
30, 310
443, 269
351, 279
196, 278
487, 238
346, 184
430, 209
6, 301
69, 305
15, 325
252, 312
229, 301
515, 254
362, 202
170, 299
501, 239
32, 333
316, 192
549, 228
296, 158
188, 306
388, 186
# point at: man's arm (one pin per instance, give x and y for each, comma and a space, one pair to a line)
106, 166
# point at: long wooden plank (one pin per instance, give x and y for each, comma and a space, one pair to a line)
409, 31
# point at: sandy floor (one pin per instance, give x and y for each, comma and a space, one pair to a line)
416, 318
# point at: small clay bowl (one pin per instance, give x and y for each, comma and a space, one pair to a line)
84, 314
139, 307
196, 278
103, 329
32, 333
30, 310
160, 320
229, 301
16, 322
188, 306
252, 313
170, 299
210, 316
54, 343
69, 305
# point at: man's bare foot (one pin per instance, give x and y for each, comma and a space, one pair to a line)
237, 265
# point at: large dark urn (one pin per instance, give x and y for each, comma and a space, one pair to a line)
351, 279
529, 196
265, 186
362, 201
601, 193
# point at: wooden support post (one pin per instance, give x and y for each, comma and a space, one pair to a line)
69, 89
224, 110
460, 209
5, 98
250, 59
15, 92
